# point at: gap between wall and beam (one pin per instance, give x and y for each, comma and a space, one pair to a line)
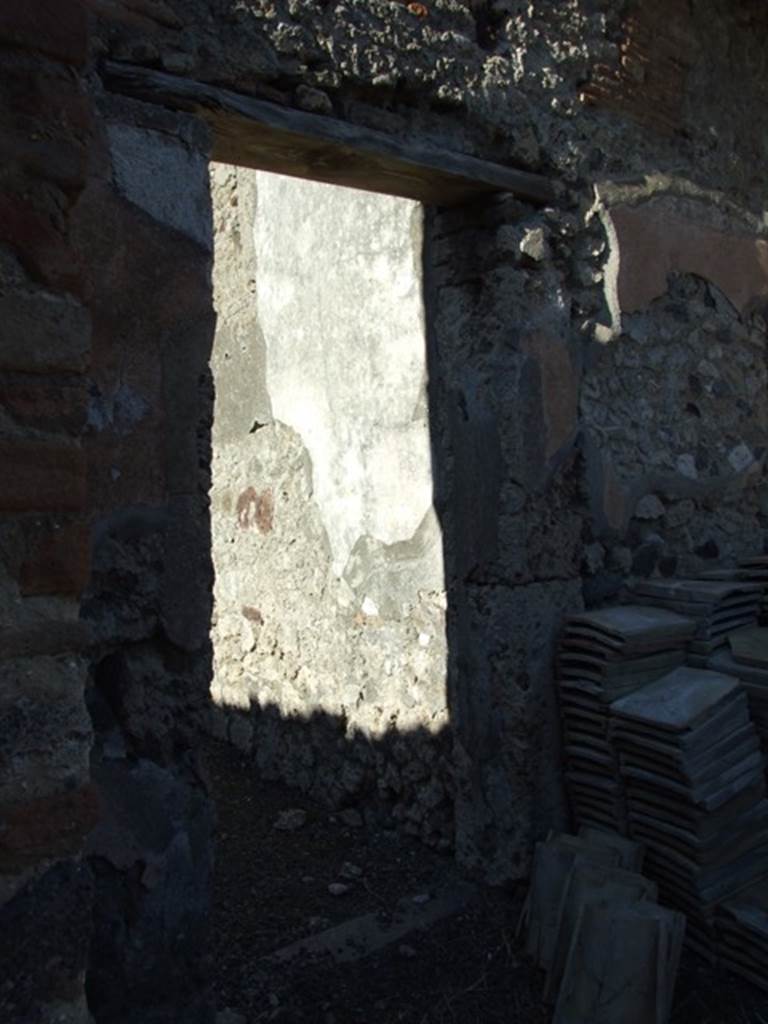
266, 136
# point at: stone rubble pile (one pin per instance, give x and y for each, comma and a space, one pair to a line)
664, 708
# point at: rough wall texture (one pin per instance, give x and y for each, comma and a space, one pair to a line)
559, 344
329, 633
148, 601
589, 88
47, 802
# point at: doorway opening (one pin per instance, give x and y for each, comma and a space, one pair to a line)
329, 599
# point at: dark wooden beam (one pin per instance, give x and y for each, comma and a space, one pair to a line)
257, 133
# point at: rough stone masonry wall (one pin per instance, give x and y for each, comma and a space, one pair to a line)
541, 501
656, 280
104, 540
47, 802
145, 223
329, 626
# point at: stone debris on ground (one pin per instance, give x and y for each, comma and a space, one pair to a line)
609, 951
291, 820
227, 1016
672, 758
350, 871
351, 818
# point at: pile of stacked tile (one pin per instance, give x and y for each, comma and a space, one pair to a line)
746, 657
742, 924
609, 951
749, 570
755, 570
692, 767
604, 655
718, 606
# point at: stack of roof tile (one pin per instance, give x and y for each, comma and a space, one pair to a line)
746, 657
609, 951
691, 764
742, 924
755, 570
718, 606
604, 655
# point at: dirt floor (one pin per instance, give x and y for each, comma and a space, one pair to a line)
272, 891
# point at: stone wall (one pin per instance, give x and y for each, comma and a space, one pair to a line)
105, 841
47, 801
148, 601
586, 89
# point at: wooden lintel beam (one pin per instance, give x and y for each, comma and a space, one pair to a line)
256, 133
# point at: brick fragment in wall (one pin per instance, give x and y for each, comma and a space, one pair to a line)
42, 476
39, 244
58, 404
58, 28
46, 828
57, 558
648, 82
559, 387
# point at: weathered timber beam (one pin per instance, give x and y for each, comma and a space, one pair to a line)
256, 133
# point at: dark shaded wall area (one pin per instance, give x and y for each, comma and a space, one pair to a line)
596, 394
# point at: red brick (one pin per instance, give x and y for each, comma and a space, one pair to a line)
47, 827
649, 82
45, 403
57, 559
58, 28
39, 244
42, 476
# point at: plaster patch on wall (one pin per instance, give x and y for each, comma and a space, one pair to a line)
667, 235
345, 352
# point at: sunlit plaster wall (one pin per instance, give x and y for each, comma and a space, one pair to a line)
329, 593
